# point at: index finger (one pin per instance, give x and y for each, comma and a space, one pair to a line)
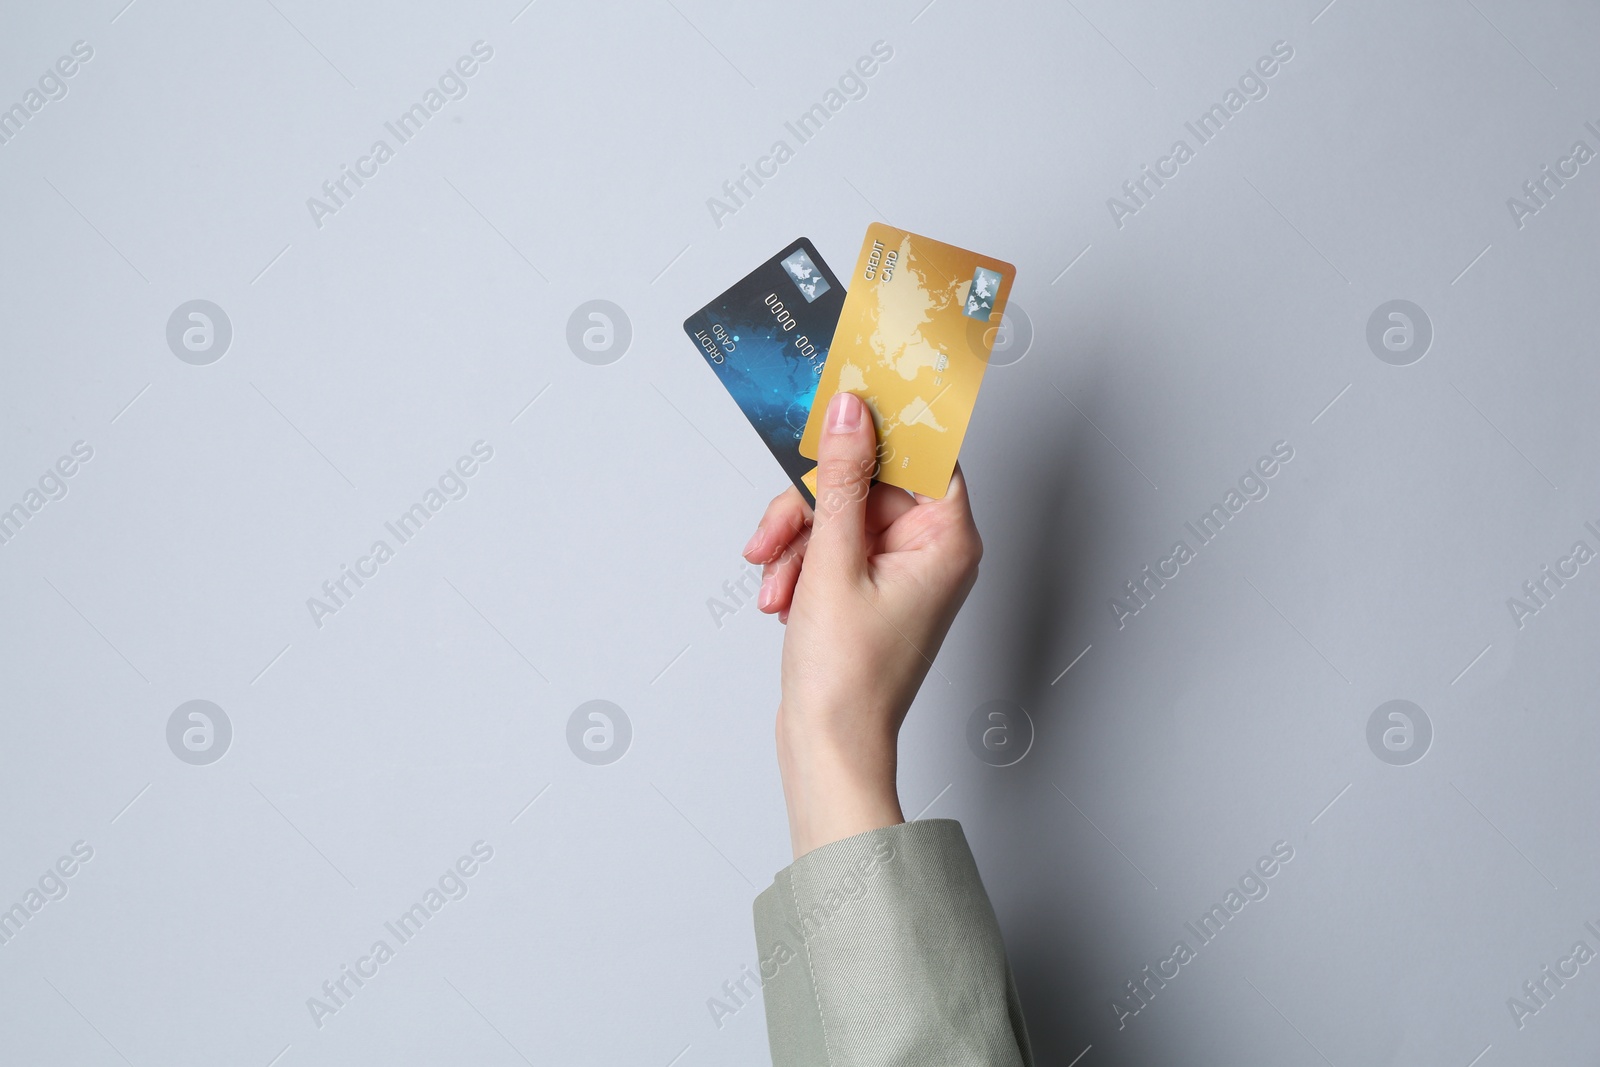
783, 520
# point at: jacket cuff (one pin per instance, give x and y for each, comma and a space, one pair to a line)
883, 949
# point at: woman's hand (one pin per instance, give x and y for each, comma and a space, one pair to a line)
868, 588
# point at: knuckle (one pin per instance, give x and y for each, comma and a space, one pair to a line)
967, 550
841, 481
781, 511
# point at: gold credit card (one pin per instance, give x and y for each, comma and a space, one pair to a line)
913, 341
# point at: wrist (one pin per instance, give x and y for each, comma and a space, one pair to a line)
836, 783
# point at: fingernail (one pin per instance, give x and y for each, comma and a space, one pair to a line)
844, 413
764, 598
755, 539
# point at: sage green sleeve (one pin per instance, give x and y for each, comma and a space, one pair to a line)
882, 950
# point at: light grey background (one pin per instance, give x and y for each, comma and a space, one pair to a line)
1170, 353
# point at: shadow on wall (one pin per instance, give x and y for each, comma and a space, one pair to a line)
1046, 595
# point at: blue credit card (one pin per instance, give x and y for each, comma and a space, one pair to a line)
767, 339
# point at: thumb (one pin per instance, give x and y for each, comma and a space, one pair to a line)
846, 462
